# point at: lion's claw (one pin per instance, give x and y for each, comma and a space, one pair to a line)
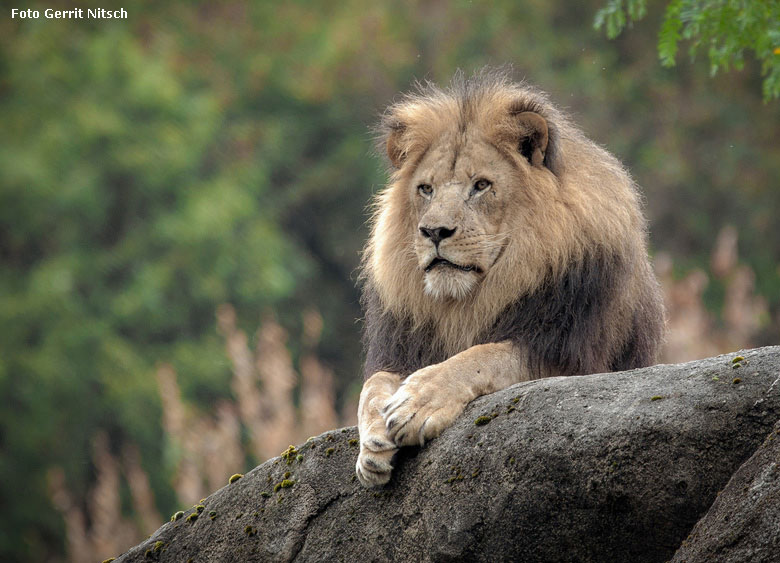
419, 410
396, 425
396, 401
374, 466
377, 444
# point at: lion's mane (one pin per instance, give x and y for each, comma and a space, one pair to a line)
574, 284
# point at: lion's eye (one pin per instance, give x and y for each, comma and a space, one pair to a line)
481, 185
425, 189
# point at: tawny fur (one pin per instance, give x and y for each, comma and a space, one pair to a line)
564, 222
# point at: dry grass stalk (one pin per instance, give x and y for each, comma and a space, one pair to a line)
724, 256
694, 332
251, 404
209, 448
689, 323
188, 482
143, 497
744, 312
278, 378
172, 405
269, 412
78, 544
109, 532
318, 412
220, 447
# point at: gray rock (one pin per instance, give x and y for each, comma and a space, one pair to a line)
615, 467
743, 524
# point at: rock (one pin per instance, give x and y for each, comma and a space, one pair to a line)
744, 521
614, 467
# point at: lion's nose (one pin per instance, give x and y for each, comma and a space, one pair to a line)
438, 234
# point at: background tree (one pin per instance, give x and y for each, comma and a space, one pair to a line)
725, 27
193, 155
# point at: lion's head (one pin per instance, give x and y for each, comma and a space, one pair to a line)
465, 192
492, 192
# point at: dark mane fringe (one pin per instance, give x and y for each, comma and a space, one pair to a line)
564, 325
563, 322
391, 343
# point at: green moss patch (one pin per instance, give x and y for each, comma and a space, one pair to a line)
289, 455
285, 484
482, 420
457, 475
158, 546
454, 478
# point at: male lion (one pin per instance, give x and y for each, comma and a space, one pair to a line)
507, 247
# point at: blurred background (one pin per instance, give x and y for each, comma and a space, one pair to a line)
183, 201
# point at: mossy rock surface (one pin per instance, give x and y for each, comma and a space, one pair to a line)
582, 469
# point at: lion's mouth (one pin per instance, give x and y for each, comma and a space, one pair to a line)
439, 261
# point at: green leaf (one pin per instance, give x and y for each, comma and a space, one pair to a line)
669, 35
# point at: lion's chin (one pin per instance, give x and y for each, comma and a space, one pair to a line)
449, 283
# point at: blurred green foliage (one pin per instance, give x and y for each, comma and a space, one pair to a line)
725, 27
200, 153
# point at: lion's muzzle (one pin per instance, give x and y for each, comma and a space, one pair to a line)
444, 263
437, 234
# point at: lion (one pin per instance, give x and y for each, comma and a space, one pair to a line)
506, 247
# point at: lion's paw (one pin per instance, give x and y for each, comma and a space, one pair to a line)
421, 409
374, 463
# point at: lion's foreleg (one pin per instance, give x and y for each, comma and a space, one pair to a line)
376, 448
431, 398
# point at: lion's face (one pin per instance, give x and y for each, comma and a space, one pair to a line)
475, 213
460, 193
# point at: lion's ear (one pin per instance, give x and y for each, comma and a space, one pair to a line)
394, 145
533, 136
